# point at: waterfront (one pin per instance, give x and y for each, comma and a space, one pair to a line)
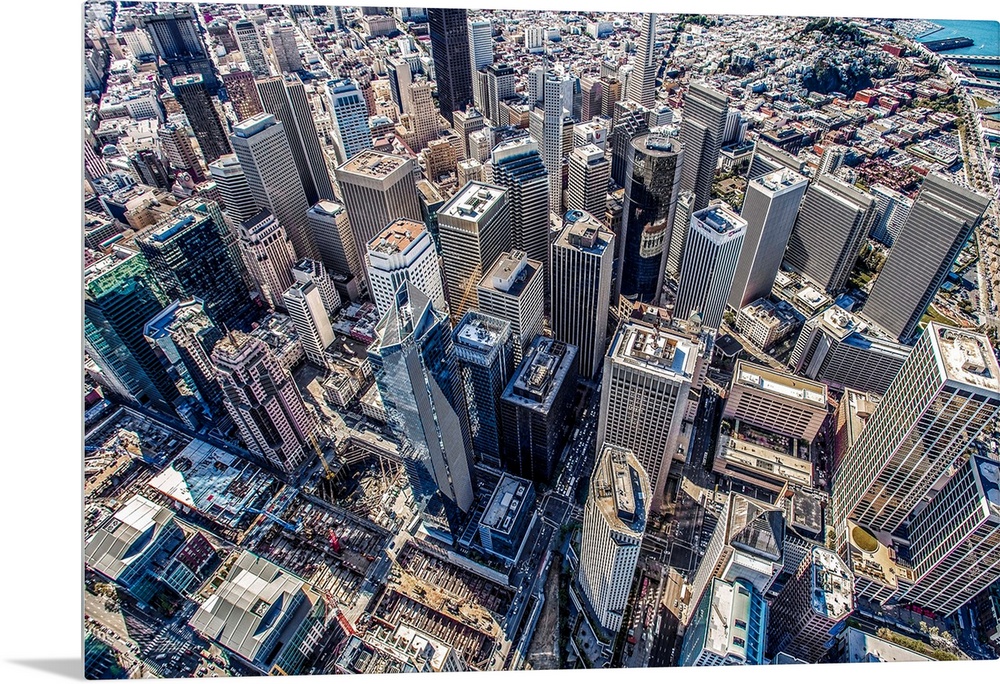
986, 35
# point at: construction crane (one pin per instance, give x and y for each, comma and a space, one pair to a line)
273, 518
319, 452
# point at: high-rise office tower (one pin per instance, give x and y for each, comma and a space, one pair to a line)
748, 543
587, 184
513, 290
831, 227
937, 227
177, 146
611, 92
518, 167
404, 253
183, 336
238, 201
242, 92
267, 255
629, 124
178, 47
711, 253
283, 47
484, 350
400, 76
729, 626
768, 159
591, 89
892, 208
946, 391
614, 522
351, 132
200, 112
702, 129
312, 271
262, 147
553, 103
652, 183
500, 84
647, 380
190, 255
955, 540
449, 33
642, 82
378, 188
769, 208
813, 603
468, 121
776, 401
120, 296
331, 229
263, 401
679, 233
474, 229
582, 259
248, 38
305, 306
535, 409
480, 54
417, 375
842, 350
285, 97
422, 121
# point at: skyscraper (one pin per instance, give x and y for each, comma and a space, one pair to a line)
729, 626
679, 233
500, 84
776, 401
400, 76
242, 92
831, 227
312, 271
702, 129
201, 114
553, 103
189, 253
305, 306
946, 391
285, 97
422, 121
177, 146
646, 382
518, 167
614, 522
642, 82
474, 229
267, 255
937, 227
178, 46
248, 38
484, 349
449, 33
652, 183
769, 208
263, 401
627, 124
535, 409
351, 132
283, 47
238, 201
480, 53
404, 253
418, 378
582, 258
587, 184
468, 121
711, 253
513, 290
262, 147
892, 208
331, 229
120, 296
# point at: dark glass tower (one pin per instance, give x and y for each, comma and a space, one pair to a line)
178, 46
449, 33
209, 131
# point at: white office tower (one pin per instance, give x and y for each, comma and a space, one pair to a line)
646, 382
811, 606
614, 520
582, 259
679, 233
711, 252
946, 391
263, 401
313, 271
955, 541
553, 104
404, 252
308, 313
262, 148
268, 256
238, 201
770, 207
351, 132
513, 290
892, 208
480, 54
248, 40
589, 173
331, 229
474, 229
641, 87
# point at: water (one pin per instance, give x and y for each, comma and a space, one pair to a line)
986, 35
